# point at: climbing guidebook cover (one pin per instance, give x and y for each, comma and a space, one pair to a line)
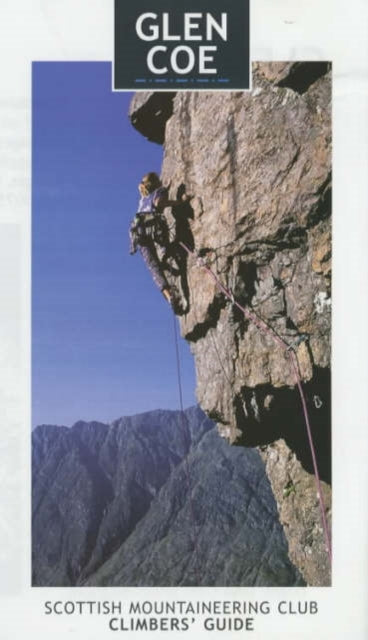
168, 183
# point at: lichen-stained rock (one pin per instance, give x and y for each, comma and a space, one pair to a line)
299, 510
259, 167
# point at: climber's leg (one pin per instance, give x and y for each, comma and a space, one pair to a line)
171, 293
170, 259
151, 259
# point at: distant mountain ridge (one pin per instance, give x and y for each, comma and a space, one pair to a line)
156, 499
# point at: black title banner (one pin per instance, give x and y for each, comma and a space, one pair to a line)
181, 44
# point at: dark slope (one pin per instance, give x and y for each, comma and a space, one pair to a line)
123, 505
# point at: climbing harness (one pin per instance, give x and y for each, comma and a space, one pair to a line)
148, 227
186, 435
291, 354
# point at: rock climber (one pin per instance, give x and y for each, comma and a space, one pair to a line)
149, 226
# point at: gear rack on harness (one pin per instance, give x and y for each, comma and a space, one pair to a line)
148, 227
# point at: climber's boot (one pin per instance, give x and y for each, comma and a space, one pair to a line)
173, 297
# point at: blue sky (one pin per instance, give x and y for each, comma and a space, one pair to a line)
102, 335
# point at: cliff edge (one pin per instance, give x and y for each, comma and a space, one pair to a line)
259, 167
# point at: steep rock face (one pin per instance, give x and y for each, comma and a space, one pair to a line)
259, 167
155, 499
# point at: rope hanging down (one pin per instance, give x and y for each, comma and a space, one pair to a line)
187, 439
290, 352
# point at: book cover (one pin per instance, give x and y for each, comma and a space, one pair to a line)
170, 184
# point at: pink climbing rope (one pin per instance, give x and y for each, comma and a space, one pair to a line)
262, 326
